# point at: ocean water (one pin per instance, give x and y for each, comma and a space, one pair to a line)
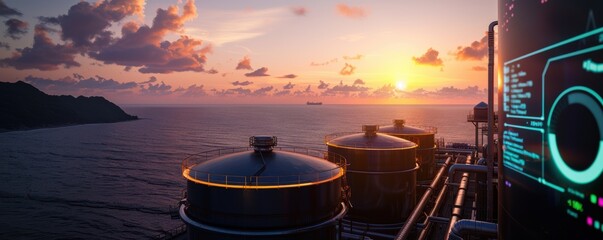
117, 181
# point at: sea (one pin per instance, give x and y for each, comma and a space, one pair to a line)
118, 180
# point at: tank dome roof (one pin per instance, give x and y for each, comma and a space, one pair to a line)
369, 139
265, 168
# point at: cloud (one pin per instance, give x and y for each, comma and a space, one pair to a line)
323, 85
143, 46
288, 76
429, 58
357, 57
192, 91
307, 92
478, 50
4, 45
359, 82
289, 86
212, 71
261, 72
387, 90
350, 11
228, 26
299, 11
6, 11
85, 24
334, 60
345, 90
152, 79
78, 82
43, 55
282, 93
262, 91
245, 63
443, 93
348, 69
15, 28
155, 89
245, 83
479, 68
234, 91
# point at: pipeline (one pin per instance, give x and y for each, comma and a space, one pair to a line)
465, 168
417, 212
473, 227
460, 197
436, 207
490, 159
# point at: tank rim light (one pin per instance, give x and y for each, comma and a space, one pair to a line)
186, 175
370, 148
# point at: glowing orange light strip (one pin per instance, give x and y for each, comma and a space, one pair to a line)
186, 174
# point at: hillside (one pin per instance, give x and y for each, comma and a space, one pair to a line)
22, 106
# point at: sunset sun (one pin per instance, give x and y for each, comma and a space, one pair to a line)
401, 85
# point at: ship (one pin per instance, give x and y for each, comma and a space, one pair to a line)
313, 103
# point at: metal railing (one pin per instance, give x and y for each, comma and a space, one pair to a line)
272, 181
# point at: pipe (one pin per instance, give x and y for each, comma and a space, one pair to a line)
473, 227
366, 233
465, 168
417, 212
460, 198
490, 159
436, 206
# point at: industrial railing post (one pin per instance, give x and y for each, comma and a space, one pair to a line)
490, 159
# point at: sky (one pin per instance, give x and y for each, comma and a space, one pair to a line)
250, 52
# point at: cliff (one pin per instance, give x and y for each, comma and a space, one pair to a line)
22, 106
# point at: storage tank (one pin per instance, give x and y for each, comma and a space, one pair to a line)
551, 119
424, 138
480, 112
381, 174
263, 192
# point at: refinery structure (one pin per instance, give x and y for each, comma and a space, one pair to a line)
537, 175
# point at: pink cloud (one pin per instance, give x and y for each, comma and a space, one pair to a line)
15, 28
429, 58
43, 55
245, 63
261, 72
348, 69
351, 11
476, 51
299, 11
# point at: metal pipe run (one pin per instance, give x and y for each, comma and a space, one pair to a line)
436, 207
490, 159
473, 227
465, 168
417, 212
460, 197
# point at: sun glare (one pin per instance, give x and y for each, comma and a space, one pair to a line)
401, 85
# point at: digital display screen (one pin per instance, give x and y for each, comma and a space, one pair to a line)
551, 119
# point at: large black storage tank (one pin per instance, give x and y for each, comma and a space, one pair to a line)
381, 174
263, 193
424, 138
551, 119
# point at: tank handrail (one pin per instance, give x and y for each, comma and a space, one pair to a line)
240, 180
427, 128
332, 136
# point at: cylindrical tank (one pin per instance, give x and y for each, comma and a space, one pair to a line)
550, 119
424, 138
381, 174
263, 193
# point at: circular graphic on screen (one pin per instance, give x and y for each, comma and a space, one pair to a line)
575, 134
